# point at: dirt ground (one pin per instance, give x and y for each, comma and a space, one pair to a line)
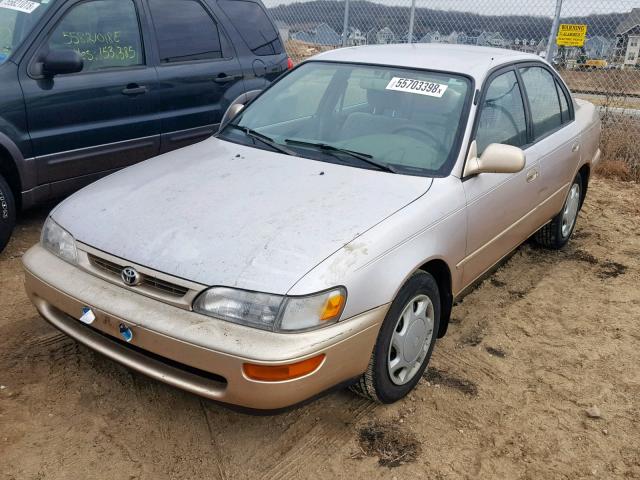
538, 378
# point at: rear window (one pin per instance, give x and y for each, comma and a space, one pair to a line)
185, 31
254, 25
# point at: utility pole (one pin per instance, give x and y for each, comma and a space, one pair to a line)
551, 46
412, 17
345, 26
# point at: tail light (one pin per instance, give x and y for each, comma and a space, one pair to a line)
289, 63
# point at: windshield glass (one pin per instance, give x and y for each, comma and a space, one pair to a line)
17, 18
387, 118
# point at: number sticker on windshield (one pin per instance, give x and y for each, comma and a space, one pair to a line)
420, 87
25, 6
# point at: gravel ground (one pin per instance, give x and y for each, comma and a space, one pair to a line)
537, 378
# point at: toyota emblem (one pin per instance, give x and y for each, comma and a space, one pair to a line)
130, 276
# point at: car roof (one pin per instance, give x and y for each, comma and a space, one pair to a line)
466, 59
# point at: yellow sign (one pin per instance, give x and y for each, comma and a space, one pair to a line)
571, 35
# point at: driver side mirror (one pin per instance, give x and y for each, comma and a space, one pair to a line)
60, 62
496, 158
237, 106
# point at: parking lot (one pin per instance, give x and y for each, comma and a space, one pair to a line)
537, 378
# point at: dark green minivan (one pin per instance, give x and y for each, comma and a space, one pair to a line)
90, 86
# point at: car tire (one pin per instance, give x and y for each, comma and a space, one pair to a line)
555, 234
7, 213
414, 311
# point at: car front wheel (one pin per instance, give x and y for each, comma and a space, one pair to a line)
405, 342
7, 213
556, 234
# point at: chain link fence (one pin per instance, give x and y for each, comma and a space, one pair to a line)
605, 70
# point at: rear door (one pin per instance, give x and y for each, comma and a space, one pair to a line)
556, 136
198, 69
265, 58
102, 118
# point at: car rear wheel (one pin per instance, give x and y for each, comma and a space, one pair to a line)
405, 342
7, 213
556, 234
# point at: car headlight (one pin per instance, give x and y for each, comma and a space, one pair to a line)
272, 312
58, 241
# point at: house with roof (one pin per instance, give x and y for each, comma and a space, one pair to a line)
431, 37
404, 38
456, 37
491, 39
385, 35
598, 47
355, 37
628, 40
322, 34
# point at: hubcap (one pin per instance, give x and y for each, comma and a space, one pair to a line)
570, 211
410, 340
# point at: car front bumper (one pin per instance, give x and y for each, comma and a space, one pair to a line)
193, 352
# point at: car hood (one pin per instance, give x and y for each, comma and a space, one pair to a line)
218, 213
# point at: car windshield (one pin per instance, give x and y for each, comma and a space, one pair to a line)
388, 118
17, 18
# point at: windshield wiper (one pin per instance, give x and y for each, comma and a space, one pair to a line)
263, 138
364, 157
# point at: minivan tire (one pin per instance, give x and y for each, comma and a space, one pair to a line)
553, 235
377, 383
7, 213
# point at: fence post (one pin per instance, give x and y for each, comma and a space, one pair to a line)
551, 46
345, 26
412, 16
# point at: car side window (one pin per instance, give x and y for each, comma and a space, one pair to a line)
105, 33
543, 100
502, 116
565, 113
254, 25
185, 31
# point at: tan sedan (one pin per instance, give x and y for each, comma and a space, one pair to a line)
322, 236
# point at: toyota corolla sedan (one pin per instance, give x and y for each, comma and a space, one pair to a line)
320, 238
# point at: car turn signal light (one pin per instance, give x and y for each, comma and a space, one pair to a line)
333, 306
279, 373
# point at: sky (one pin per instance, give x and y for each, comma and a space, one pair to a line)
510, 7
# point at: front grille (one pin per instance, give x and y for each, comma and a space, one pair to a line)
153, 283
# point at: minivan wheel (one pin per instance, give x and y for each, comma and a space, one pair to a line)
7, 213
556, 234
405, 342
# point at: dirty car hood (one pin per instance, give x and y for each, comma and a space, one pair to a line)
218, 213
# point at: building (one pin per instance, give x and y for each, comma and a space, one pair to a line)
456, 37
385, 35
491, 39
404, 38
355, 37
632, 53
626, 44
431, 37
598, 47
322, 34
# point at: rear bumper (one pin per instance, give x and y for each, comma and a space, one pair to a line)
191, 351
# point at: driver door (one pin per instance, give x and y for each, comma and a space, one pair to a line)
499, 205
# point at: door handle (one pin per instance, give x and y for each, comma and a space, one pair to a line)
575, 147
532, 175
134, 89
222, 78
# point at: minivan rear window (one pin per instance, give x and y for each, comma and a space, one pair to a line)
254, 25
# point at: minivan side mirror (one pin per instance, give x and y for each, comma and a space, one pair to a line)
59, 62
237, 106
496, 158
